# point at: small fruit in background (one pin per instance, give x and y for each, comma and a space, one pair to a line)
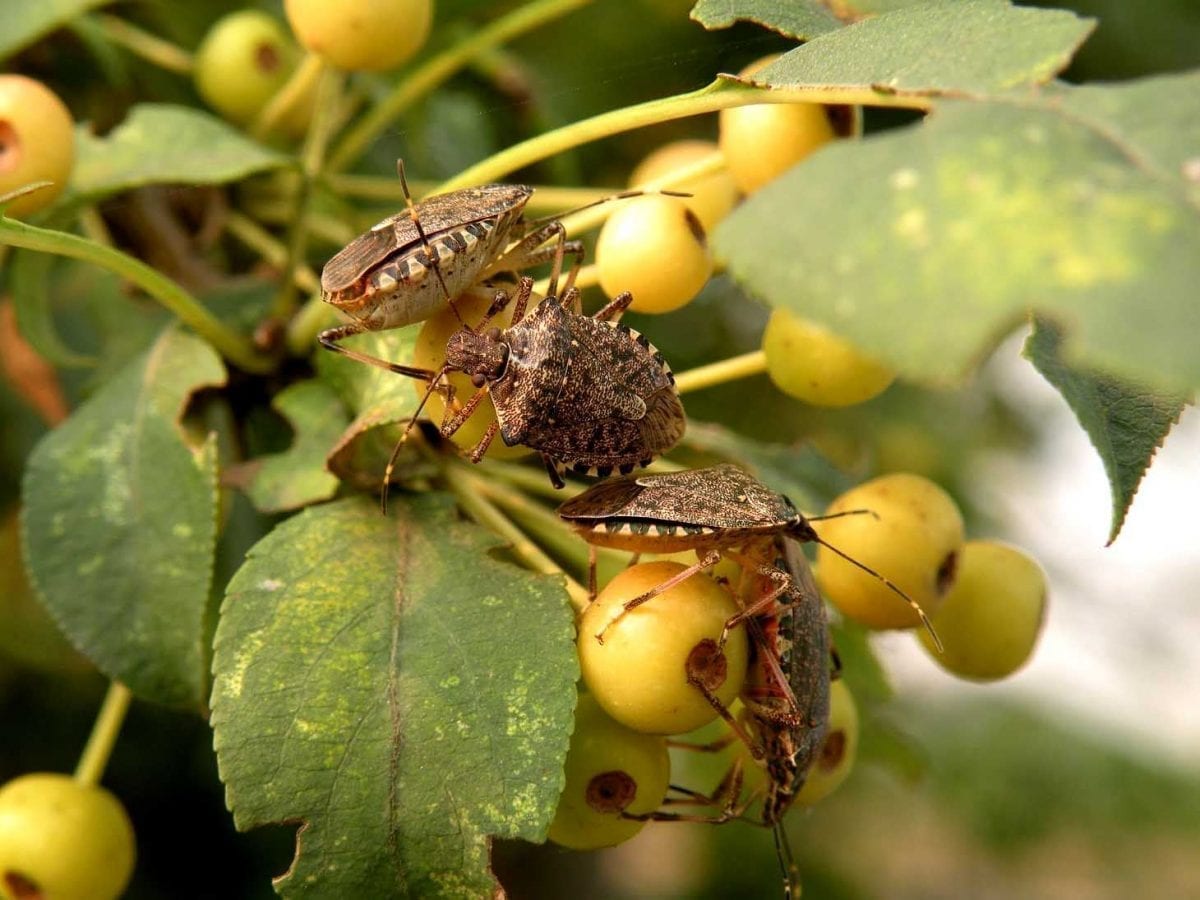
808, 361
609, 770
37, 143
764, 140
990, 620
243, 61
713, 195
835, 760
639, 673
655, 248
912, 535
362, 35
61, 839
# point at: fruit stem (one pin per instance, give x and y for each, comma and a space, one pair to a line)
589, 218
313, 317
100, 743
723, 93
469, 489
438, 68
237, 348
142, 43
752, 363
312, 157
303, 80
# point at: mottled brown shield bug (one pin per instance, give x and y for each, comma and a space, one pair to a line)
715, 511
586, 392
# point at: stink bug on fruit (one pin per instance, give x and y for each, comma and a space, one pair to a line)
586, 392
785, 697
718, 511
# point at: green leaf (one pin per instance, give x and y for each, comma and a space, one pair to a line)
298, 477
364, 388
119, 523
1125, 422
21, 24
947, 47
388, 684
802, 19
160, 143
925, 244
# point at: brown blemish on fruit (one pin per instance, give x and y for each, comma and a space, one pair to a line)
266, 57
843, 119
10, 147
610, 792
833, 750
22, 888
706, 665
947, 572
695, 227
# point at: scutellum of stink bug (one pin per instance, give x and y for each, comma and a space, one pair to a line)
715, 511
785, 697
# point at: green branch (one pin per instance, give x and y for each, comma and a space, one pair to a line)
235, 347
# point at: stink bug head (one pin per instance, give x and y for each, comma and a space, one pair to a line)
482, 356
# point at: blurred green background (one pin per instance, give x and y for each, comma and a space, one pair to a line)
971, 796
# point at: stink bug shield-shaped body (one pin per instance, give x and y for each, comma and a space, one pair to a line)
719, 509
586, 392
383, 279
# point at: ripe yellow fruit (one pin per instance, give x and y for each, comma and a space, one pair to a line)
609, 770
912, 537
37, 143
762, 141
838, 751
639, 674
62, 840
362, 35
990, 619
655, 248
713, 195
811, 363
429, 352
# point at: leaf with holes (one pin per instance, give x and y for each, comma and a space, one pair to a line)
119, 524
1125, 422
404, 695
927, 243
297, 476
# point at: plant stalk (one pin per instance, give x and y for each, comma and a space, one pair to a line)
752, 363
104, 734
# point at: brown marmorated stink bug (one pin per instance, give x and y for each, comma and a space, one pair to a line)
381, 279
586, 392
716, 511
786, 697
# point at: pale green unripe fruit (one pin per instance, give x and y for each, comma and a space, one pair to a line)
63, 839
990, 619
639, 674
609, 770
